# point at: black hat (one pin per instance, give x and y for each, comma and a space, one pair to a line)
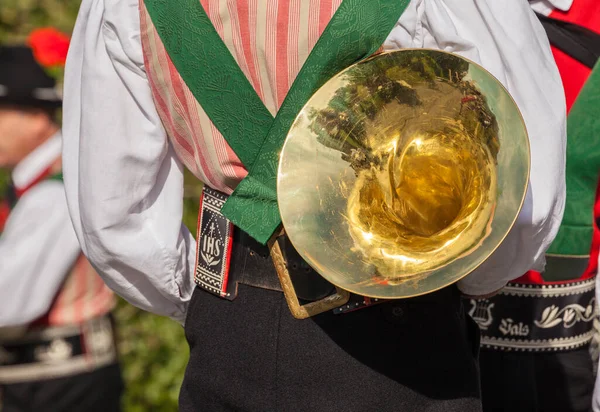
23, 81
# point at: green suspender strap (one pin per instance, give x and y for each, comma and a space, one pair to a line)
583, 166
355, 32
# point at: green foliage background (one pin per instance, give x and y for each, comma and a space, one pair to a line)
153, 349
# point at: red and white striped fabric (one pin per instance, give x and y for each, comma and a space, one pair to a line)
83, 297
256, 44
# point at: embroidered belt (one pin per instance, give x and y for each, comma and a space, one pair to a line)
530, 317
55, 352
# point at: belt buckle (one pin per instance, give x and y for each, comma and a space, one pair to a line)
308, 310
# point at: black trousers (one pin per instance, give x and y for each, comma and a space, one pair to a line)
97, 391
251, 355
537, 382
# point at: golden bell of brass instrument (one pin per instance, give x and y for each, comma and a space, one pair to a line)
403, 173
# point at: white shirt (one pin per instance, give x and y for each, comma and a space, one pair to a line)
125, 185
38, 246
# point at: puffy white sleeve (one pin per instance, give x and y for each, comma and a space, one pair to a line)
506, 38
123, 182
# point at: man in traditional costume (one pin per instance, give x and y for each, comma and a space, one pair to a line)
153, 87
536, 332
57, 348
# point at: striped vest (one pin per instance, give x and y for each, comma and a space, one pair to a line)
269, 39
82, 297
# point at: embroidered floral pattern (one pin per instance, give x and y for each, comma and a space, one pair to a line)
568, 316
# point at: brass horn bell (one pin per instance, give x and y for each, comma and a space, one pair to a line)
403, 173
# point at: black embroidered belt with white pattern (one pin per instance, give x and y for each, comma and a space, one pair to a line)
213, 247
530, 317
56, 351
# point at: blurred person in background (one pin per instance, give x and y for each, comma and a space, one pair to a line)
536, 333
57, 346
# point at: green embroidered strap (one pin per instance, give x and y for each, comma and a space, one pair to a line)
356, 31
583, 165
212, 75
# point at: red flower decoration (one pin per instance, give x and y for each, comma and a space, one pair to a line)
49, 47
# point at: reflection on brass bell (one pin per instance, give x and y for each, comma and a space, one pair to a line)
403, 173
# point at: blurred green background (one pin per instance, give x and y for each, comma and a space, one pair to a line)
153, 349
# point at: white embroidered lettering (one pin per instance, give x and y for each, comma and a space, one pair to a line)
509, 327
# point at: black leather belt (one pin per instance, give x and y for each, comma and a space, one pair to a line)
227, 257
251, 265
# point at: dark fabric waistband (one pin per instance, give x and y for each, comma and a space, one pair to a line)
565, 268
